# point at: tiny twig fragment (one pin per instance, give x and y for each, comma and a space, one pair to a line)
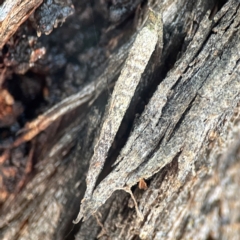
43, 121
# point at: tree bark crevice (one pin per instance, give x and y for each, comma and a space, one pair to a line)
183, 141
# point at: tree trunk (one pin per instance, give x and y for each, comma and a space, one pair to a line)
180, 135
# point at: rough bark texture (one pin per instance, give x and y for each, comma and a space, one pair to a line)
13, 14
181, 129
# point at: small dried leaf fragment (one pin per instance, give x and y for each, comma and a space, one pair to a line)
142, 184
9, 109
123, 92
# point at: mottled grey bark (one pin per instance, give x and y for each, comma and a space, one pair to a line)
182, 130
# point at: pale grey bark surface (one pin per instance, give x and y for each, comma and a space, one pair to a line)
182, 131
